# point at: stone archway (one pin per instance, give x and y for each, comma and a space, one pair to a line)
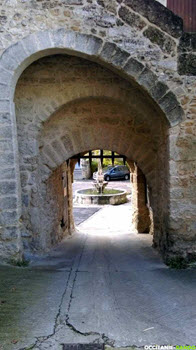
105, 112
15, 59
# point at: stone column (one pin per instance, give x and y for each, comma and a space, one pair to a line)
10, 191
181, 225
141, 216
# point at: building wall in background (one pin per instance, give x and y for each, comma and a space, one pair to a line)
185, 9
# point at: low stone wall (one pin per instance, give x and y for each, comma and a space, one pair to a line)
114, 199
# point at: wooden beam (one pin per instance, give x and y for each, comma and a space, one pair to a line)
113, 158
101, 156
90, 158
97, 157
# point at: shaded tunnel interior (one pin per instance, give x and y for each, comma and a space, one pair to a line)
67, 105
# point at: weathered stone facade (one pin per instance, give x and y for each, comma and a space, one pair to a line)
142, 220
88, 74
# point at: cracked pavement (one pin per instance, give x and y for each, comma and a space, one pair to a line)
102, 286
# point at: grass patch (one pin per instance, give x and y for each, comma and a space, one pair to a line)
177, 263
192, 264
122, 202
19, 263
30, 347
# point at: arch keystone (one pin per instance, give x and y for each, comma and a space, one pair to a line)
114, 55
88, 44
30, 44
44, 41
134, 68
159, 90
147, 79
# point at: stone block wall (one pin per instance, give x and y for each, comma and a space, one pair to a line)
142, 215
46, 224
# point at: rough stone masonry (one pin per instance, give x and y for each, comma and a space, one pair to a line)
77, 75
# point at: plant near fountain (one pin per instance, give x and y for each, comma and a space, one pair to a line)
100, 195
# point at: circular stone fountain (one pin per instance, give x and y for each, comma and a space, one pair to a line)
91, 196
100, 195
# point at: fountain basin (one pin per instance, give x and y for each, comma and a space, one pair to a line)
110, 196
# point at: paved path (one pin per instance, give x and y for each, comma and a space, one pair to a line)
108, 221
81, 213
98, 287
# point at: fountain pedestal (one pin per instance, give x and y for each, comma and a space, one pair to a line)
100, 184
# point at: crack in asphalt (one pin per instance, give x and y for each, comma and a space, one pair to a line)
101, 337
74, 329
42, 339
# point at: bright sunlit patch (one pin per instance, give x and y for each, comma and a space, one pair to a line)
109, 221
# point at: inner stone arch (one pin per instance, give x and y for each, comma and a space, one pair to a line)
66, 105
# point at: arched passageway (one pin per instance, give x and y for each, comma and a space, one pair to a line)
77, 75
66, 105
